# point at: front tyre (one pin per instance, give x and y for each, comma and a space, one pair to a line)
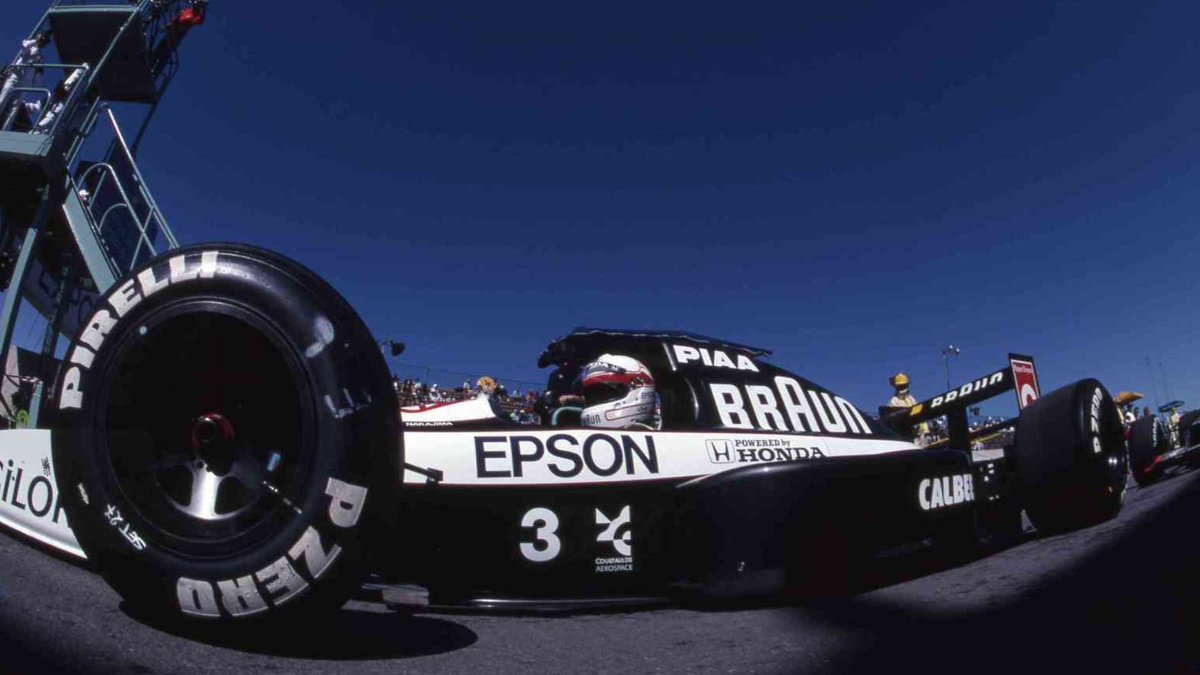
226, 437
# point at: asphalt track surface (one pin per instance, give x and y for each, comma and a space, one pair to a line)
1122, 596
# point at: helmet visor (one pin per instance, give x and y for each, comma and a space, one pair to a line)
595, 393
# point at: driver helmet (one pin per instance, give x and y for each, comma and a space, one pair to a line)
900, 382
618, 391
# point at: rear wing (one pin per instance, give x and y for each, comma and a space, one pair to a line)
1020, 376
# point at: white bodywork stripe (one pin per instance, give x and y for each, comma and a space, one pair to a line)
631, 456
460, 455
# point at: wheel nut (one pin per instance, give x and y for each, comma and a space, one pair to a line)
207, 430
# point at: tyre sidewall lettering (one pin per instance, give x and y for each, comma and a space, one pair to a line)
307, 560
116, 305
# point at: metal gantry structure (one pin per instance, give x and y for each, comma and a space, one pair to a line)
74, 219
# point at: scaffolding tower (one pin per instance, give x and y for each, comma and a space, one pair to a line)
70, 225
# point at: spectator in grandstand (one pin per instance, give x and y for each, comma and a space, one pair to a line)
536, 409
412, 391
486, 386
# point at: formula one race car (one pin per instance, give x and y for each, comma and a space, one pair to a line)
1150, 448
227, 444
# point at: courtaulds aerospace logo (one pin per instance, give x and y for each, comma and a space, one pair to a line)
618, 532
621, 540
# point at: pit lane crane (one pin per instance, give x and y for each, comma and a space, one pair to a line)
76, 213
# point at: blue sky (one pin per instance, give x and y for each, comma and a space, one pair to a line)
854, 186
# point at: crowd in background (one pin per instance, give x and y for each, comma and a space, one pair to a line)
1001, 436
518, 405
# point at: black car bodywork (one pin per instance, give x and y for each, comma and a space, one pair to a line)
756, 478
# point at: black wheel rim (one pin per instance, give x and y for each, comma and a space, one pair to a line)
205, 423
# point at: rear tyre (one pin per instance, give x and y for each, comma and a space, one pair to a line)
1147, 440
226, 439
1071, 459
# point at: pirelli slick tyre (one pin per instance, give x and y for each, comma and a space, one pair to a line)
1071, 459
226, 438
1147, 440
